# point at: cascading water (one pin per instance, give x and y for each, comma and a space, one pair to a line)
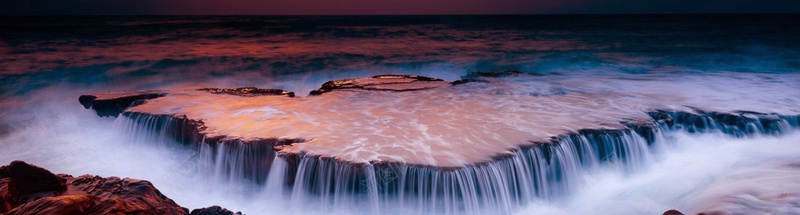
542, 171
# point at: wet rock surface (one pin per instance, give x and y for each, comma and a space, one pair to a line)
738, 123
22, 181
673, 212
29, 189
272, 126
383, 83
465, 81
213, 210
113, 103
249, 91
369, 128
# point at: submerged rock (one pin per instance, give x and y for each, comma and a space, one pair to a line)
492, 74
738, 123
383, 83
465, 81
29, 189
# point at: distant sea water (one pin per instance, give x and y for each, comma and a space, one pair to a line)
148, 51
725, 61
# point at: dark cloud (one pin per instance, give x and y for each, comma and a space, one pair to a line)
342, 7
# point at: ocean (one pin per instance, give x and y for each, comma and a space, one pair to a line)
616, 63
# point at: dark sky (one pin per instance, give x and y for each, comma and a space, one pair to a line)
370, 7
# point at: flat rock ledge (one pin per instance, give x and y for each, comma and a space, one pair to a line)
29, 189
249, 91
193, 131
261, 150
114, 103
383, 83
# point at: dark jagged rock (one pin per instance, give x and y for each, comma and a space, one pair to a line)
113, 103
66, 204
493, 74
114, 195
673, 212
29, 189
464, 81
213, 210
24, 181
249, 91
383, 83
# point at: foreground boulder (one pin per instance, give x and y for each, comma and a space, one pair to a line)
29, 189
21, 181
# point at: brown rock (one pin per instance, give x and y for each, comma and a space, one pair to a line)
383, 83
68, 204
28, 189
248, 91
4, 206
113, 103
123, 196
673, 212
25, 181
213, 210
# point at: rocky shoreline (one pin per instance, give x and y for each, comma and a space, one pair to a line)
260, 152
29, 189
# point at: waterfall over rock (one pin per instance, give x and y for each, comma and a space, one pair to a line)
536, 169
